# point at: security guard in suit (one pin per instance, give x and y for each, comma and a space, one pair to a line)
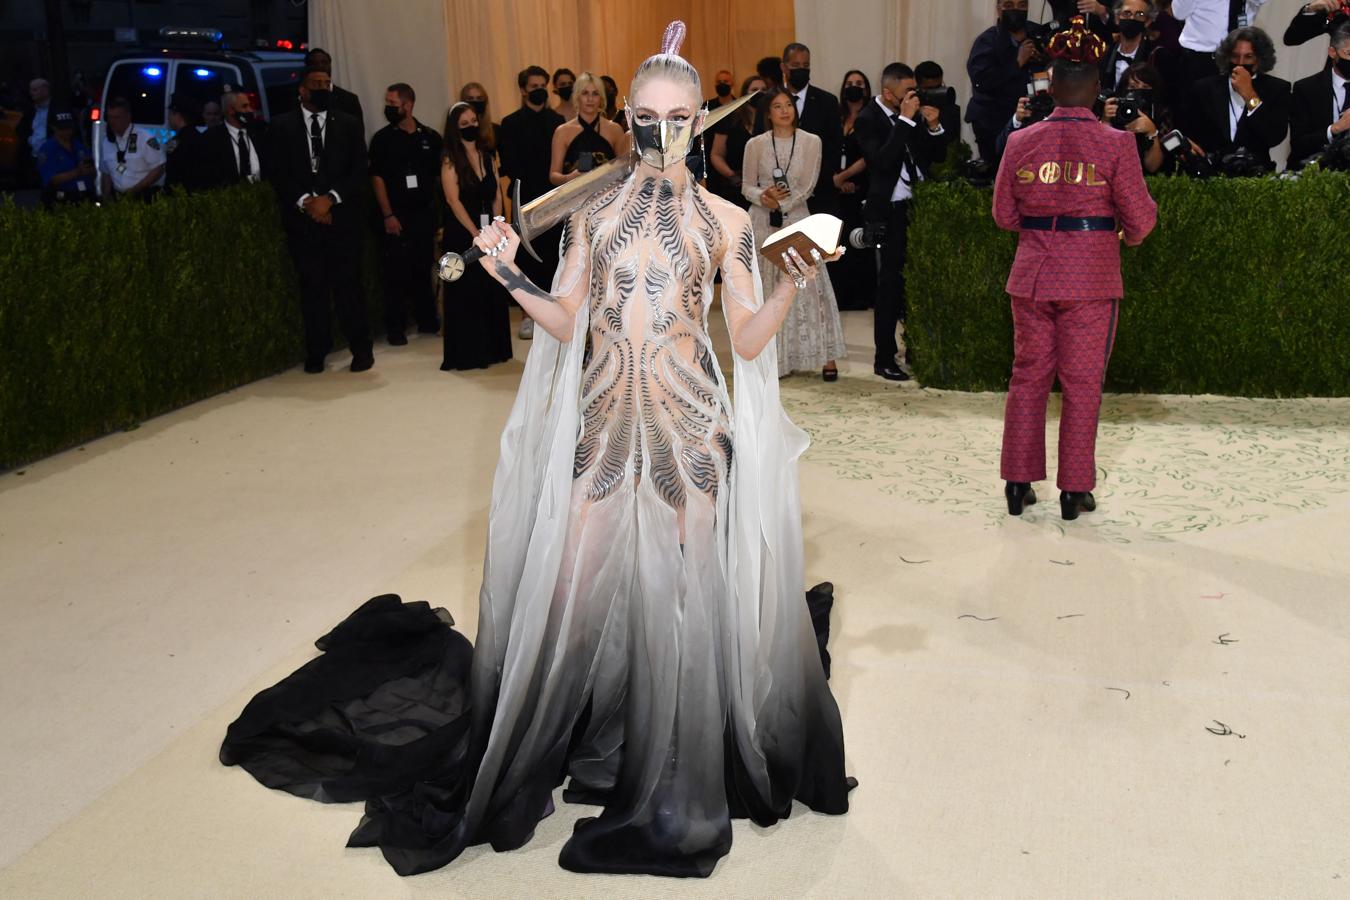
1069, 185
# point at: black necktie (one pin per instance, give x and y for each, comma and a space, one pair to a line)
315, 142
1235, 10
245, 162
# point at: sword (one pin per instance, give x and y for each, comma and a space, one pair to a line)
544, 212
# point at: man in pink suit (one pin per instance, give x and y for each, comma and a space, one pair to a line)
1069, 186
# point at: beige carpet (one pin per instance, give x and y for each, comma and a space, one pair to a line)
1030, 705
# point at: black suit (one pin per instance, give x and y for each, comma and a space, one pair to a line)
221, 155
893, 150
820, 116
1207, 117
1310, 115
996, 82
345, 101
327, 257
1142, 54
185, 168
1304, 28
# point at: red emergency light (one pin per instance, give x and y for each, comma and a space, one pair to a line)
95, 114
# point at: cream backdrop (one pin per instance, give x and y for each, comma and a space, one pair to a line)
437, 45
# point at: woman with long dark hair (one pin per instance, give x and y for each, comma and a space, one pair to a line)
476, 315
781, 168
727, 155
855, 276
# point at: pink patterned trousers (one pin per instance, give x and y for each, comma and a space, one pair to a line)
1071, 340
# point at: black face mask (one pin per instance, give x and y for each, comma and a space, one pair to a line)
1343, 67
565, 93
723, 89
799, 78
321, 100
538, 96
479, 106
1013, 19
1131, 29
469, 132
853, 93
393, 115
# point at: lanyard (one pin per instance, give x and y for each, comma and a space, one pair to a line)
792, 152
122, 151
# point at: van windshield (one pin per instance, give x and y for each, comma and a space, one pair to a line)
143, 83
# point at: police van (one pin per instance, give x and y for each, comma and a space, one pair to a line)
194, 62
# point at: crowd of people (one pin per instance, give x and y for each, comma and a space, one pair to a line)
1190, 78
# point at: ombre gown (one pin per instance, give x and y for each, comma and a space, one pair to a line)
642, 629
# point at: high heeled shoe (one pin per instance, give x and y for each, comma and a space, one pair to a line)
829, 373
1071, 503
1019, 495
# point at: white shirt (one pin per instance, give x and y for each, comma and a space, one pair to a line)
1237, 108
39, 135
142, 153
1337, 99
1123, 63
800, 99
253, 165
1207, 21
309, 118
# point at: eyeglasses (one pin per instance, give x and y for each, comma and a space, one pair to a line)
1138, 16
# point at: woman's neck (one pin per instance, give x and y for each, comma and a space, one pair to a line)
784, 131
588, 119
677, 173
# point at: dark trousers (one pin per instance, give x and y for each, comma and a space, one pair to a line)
1190, 68
891, 306
406, 262
328, 261
986, 140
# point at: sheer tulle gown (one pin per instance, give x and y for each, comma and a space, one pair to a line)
642, 630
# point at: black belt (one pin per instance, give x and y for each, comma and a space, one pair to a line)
1068, 223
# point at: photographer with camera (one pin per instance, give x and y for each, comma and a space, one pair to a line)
934, 91
1139, 108
1320, 114
1001, 63
1240, 115
900, 138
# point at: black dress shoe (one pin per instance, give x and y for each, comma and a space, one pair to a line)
363, 362
397, 339
891, 372
829, 374
312, 367
1071, 503
1019, 494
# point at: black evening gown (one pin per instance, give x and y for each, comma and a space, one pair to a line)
855, 276
476, 316
588, 146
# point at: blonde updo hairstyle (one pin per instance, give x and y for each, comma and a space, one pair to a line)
670, 66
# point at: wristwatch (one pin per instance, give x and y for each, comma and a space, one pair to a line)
1253, 103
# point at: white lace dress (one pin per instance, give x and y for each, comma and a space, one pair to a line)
812, 334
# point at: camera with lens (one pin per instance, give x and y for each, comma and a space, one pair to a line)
1337, 155
1189, 162
1041, 104
939, 98
1240, 163
871, 235
1129, 106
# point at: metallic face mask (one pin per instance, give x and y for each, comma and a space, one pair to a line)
664, 143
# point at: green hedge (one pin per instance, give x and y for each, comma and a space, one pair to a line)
112, 315
1243, 290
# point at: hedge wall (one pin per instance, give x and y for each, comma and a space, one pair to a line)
111, 315
1243, 290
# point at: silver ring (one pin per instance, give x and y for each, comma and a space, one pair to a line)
815, 256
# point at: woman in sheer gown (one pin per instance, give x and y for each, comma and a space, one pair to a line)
475, 318
641, 631
812, 338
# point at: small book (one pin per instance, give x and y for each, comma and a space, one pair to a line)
819, 232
